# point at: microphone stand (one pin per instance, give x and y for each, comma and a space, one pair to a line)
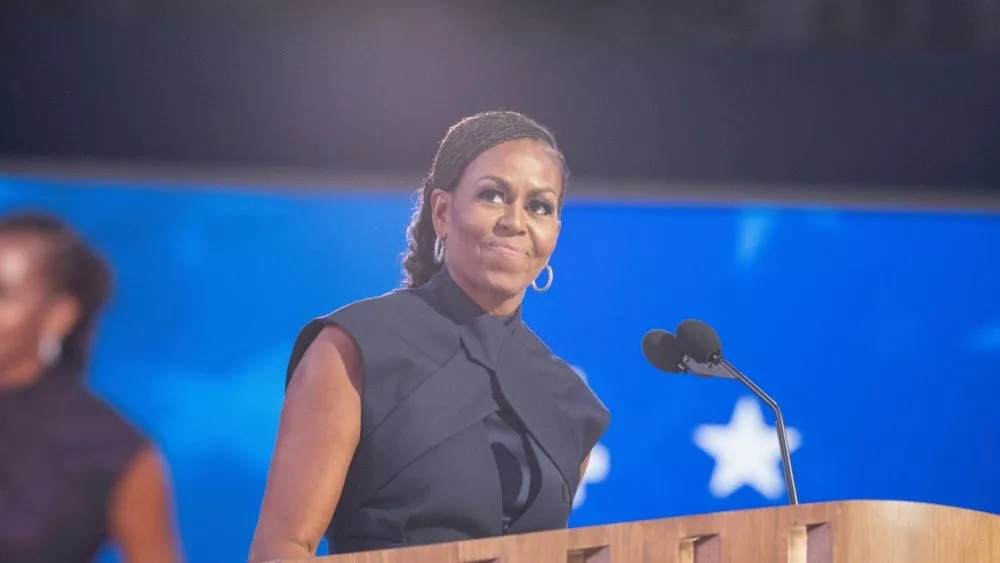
786, 458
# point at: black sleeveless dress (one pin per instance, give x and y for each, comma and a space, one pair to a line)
470, 426
61, 452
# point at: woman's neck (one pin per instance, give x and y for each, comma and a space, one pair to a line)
21, 374
495, 304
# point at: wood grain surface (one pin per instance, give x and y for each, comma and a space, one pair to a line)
832, 532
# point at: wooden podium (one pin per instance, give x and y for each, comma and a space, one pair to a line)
834, 532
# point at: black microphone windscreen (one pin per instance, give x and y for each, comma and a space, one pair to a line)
699, 341
661, 350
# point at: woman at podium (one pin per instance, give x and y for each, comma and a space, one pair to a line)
432, 413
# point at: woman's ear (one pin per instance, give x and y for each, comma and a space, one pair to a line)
440, 207
62, 316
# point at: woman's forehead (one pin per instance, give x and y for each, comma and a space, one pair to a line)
520, 157
18, 254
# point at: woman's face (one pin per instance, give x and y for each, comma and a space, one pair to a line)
501, 223
29, 311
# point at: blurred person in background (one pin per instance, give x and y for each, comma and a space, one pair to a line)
74, 475
432, 413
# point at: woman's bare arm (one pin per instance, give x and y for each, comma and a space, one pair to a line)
141, 518
583, 469
317, 436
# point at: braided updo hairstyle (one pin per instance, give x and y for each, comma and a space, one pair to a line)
73, 268
464, 141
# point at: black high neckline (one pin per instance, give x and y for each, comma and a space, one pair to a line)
485, 335
461, 308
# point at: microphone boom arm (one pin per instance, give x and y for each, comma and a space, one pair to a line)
786, 458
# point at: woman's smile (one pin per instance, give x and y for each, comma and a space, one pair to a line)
507, 249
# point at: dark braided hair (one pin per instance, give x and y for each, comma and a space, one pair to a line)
464, 141
72, 268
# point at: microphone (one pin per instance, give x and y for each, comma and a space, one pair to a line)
663, 351
701, 353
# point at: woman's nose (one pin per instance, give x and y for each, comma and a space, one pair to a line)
512, 219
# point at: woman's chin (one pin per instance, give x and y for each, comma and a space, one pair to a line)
506, 281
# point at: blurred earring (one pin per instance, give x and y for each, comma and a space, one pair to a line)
49, 350
548, 284
438, 250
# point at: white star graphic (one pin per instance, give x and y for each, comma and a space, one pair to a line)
746, 452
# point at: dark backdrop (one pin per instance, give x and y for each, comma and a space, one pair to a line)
372, 90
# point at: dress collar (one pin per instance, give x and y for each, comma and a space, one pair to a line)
461, 308
483, 334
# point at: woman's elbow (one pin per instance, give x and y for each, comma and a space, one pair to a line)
266, 549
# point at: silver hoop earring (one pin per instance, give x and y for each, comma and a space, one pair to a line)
548, 284
49, 350
438, 250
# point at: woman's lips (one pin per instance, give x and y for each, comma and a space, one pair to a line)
508, 250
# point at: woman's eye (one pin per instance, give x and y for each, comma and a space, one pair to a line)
541, 207
491, 195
